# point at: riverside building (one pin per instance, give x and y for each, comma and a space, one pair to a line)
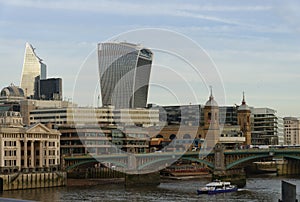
104, 116
291, 131
27, 148
264, 126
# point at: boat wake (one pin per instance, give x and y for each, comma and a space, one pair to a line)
243, 190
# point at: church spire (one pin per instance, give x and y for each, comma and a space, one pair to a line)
211, 101
243, 102
244, 106
211, 97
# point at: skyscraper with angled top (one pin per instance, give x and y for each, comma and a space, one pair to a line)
124, 70
33, 70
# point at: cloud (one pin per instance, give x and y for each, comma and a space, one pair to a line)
108, 5
166, 8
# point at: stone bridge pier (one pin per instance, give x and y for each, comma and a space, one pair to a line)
235, 176
288, 167
137, 178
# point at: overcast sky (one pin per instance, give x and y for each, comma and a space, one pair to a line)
255, 45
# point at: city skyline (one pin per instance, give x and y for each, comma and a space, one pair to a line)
255, 45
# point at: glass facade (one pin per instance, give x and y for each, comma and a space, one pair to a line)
51, 89
124, 71
33, 70
264, 126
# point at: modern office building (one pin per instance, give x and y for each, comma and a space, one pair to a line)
124, 71
280, 130
228, 115
291, 131
50, 89
27, 105
87, 116
97, 141
264, 126
33, 70
188, 115
72, 116
193, 115
136, 117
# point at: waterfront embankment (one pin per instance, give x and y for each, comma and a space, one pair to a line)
32, 180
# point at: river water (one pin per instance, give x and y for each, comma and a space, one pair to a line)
258, 188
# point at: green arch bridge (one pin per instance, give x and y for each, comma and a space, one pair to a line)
217, 160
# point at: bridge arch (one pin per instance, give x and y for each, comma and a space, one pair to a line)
243, 160
123, 165
153, 162
209, 164
291, 157
248, 158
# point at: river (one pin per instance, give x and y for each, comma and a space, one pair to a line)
258, 188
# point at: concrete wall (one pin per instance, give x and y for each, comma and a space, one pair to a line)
33, 180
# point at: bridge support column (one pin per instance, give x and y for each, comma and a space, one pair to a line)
137, 180
235, 176
288, 167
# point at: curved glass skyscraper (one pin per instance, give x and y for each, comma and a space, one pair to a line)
33, 71
124, 70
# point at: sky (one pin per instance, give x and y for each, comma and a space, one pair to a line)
254, 46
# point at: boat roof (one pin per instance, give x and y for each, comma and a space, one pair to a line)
214, 184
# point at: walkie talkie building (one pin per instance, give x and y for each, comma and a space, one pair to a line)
124, 71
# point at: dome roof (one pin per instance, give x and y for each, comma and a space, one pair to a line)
211, 102
12, 91
243, 106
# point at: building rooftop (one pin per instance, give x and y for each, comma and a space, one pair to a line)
211, 102
12, 91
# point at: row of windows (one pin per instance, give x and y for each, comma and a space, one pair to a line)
48, 112
52, 152
94, 135
48, 117
10, 162
95, 142
10, 152
51, 144
51, 162
13, 121
10, 143
12, 135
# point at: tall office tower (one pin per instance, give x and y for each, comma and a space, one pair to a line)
124, 71
51, 89
33, 70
